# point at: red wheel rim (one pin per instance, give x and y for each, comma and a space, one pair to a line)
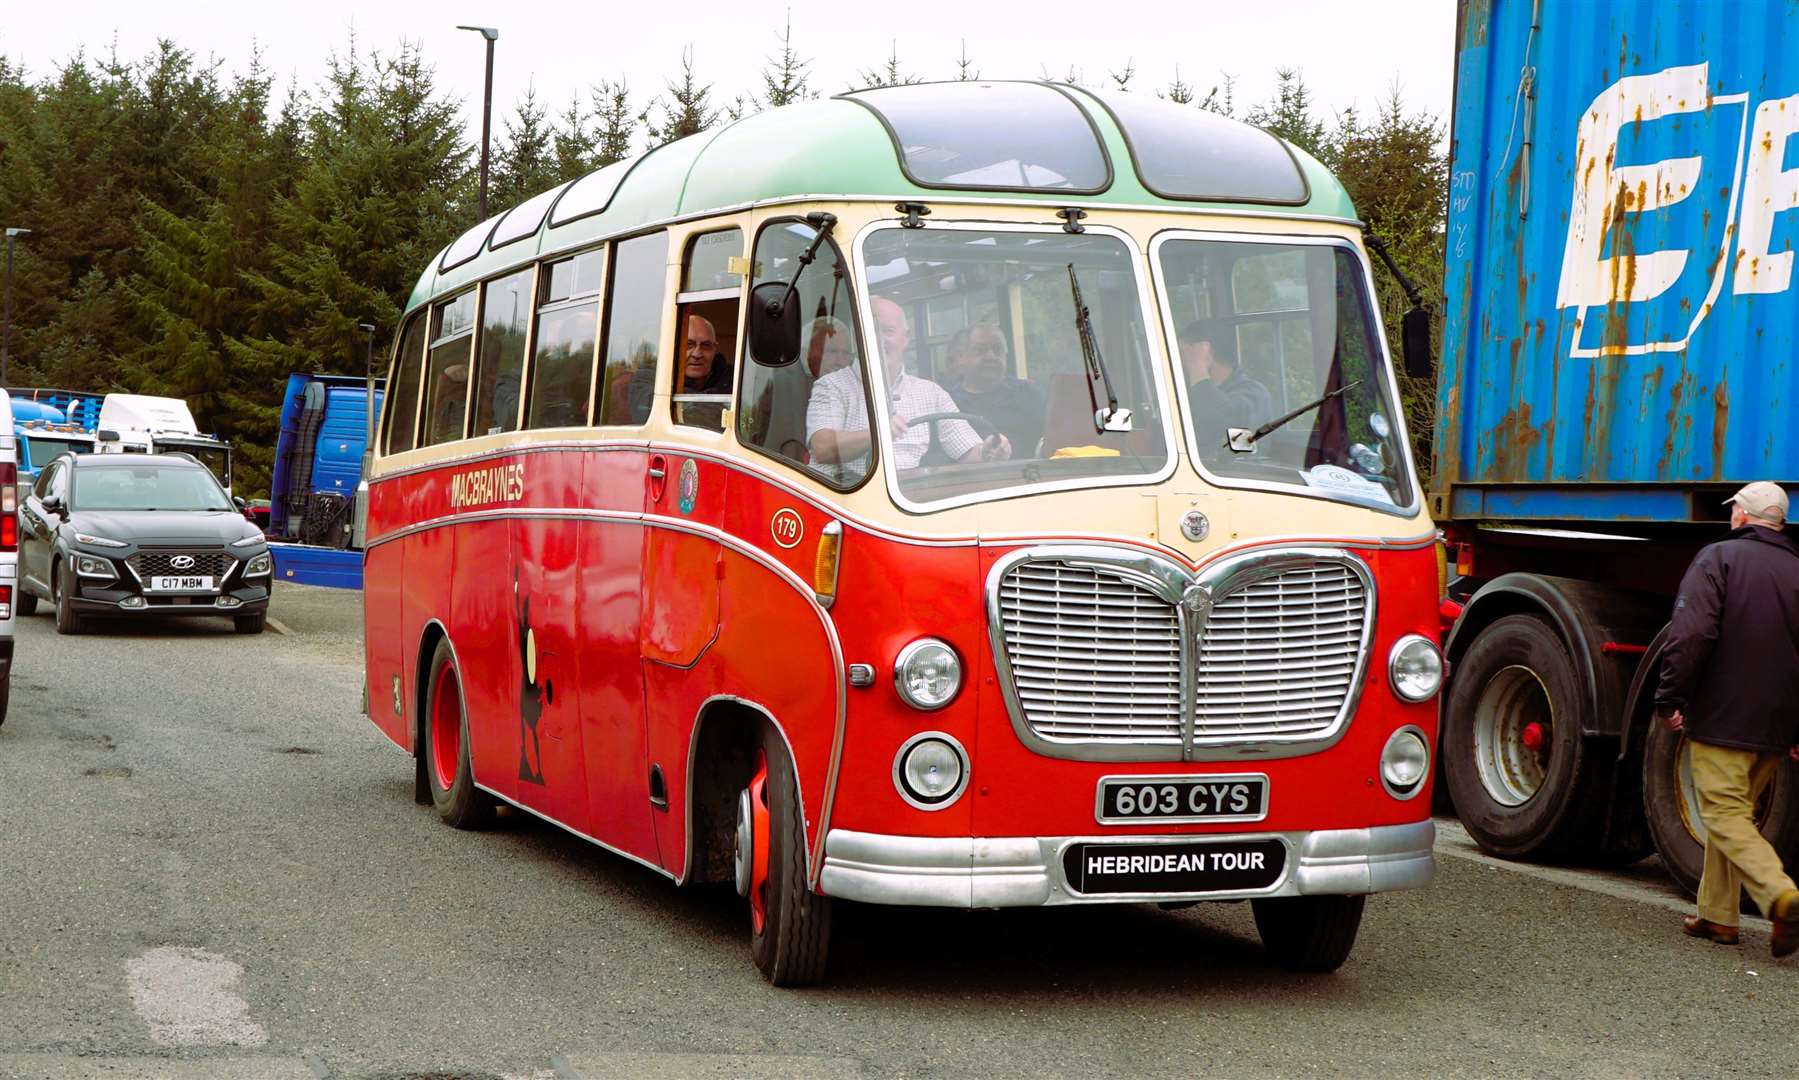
759, 844
446, 727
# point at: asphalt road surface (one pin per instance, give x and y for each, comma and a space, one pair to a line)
213, 867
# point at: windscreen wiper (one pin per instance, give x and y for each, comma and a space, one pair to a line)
1243, 440
1110, 418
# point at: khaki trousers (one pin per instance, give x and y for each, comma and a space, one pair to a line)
1737, 855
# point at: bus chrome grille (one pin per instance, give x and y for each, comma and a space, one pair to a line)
1141, 659
1093, 654
1278, 656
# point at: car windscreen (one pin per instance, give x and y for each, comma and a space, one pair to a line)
147, 486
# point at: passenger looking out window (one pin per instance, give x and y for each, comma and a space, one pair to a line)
977, 373
837, 429
1222, 396
704, 370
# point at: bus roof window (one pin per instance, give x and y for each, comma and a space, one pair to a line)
1186, 153
522, 220
709, 258
590, 194
467, 246
994, 136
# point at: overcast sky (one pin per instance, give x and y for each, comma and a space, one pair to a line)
1349, 53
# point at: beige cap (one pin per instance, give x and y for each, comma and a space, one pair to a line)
1761, 499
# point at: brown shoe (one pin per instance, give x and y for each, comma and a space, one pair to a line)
1786, 923
1694, 926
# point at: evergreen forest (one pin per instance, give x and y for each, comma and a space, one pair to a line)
199, 231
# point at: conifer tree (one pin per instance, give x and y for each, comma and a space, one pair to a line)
687, 110
525, 161
786, 80
890, 73
965, 69
574, 146
615, 124
1289, 115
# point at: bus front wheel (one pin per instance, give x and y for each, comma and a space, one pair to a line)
445, 747
790, 928
1309, 933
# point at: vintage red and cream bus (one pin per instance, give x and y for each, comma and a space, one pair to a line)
1127, 593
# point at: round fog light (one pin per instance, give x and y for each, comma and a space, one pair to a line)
1404, 762
927, 674
1415, 668
930, 770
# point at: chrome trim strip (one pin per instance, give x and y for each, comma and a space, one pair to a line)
563, 825
1391, 390
982, 872
1191, 594
1099, 798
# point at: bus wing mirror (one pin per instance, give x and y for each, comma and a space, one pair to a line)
1414, 333
774, 330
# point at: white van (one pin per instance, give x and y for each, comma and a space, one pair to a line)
9, 544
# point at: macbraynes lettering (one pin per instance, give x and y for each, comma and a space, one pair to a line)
494, 484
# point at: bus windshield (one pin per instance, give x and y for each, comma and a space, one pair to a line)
1281, 371
979, 329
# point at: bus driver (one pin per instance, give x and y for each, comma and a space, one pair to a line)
837, 418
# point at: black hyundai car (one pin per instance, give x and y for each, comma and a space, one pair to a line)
134, 535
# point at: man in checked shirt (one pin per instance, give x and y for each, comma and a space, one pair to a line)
837, 431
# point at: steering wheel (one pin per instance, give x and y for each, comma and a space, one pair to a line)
981, 427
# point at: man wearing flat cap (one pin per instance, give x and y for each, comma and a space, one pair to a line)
1730, 682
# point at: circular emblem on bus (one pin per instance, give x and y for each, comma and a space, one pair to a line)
689, 489
786, 527
1194, 526
182, 562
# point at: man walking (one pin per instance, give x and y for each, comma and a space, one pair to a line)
1730, 681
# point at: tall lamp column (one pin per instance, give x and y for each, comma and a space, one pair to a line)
492, 35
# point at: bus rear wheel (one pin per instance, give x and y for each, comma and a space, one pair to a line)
1671, 806
445, 747
790, 925
1309, 933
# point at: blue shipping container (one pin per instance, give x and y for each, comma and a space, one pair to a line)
1623, 307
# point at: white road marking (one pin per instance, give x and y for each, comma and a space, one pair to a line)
61, 1067
1453, 840
681, 1066
187, 997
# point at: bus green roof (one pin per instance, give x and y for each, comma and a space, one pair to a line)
845, 147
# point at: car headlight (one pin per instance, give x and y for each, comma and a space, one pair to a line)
1404, 762
1415, 668
259, 565
927, 674
95, 566
99, 541
930, 770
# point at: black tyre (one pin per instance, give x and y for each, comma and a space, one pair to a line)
793, 945
5, 693
68, 621
1524, 781
26, 602
1672, 808
250, 624
445, 747
1309, 933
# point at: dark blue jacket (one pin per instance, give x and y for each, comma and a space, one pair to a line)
1732, 660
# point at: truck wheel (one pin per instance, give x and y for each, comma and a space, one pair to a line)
1672, 808
452, 779
24, 603
1308, 933
68, 621
1521, 775
790, 927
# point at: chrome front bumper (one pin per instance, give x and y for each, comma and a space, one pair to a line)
965, 872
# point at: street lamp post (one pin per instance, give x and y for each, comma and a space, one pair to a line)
492, 35
6, 333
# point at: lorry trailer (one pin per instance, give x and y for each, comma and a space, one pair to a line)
1619, 338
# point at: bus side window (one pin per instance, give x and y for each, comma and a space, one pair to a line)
500, 370
773, 403
446, 369
705, 328
633, 321
568, 311
402, 403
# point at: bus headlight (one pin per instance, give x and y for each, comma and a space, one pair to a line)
927, 674
1404, 762
930, 770
1415, 668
